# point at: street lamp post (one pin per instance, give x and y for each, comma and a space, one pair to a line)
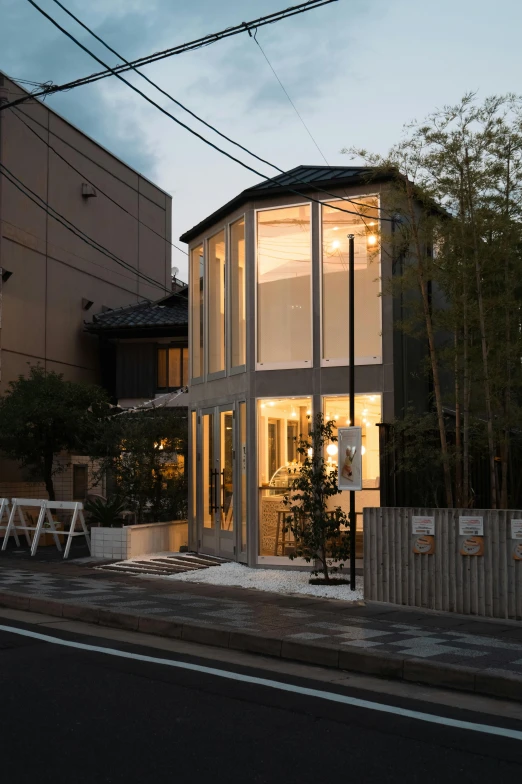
351, 352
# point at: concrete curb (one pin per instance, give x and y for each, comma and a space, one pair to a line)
388, 666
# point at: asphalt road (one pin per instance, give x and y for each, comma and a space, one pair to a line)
74, 715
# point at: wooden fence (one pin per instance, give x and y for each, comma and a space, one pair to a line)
488, 584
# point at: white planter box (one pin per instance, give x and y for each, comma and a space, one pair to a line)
110, 543
132, 541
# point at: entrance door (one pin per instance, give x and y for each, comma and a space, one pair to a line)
217, 471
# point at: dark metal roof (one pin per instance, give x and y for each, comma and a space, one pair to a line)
311, 175
171, 311
304, 179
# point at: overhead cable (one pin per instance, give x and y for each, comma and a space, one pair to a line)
191, 130
16, 113
200, 119
198, 43
23, 188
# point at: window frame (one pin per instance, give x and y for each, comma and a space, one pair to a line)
168, 347
345, 361
201, 378
233, 370
298, 363
206, 308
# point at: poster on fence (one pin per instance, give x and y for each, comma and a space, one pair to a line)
471, 535
423, 533
516, 534
350, 458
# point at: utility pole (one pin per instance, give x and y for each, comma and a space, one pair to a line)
351, 348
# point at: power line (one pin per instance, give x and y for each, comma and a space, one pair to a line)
193, 114
14, 180
283, 88
191, 130
72, 253
198, 43
15, 114
84, 155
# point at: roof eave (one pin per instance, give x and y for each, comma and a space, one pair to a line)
256, 194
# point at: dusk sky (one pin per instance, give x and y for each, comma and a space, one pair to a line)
357, 72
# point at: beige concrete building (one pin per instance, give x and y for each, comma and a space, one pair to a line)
102, 242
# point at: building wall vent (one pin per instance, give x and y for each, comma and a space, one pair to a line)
88, 190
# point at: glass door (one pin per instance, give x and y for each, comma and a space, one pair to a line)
217, 486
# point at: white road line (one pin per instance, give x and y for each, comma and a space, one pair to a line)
236, 676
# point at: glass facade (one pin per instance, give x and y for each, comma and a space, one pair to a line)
216, 303
237, 294
196, 310
284, 287
335, 327
280, 422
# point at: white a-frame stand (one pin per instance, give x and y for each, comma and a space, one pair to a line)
45, 515
5, 511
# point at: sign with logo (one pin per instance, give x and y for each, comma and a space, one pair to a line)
471, 526
424, 545
350, 458
516, 534
472, 545
423, 531
423, 525
471, 532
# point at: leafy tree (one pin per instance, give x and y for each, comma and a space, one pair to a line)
42, 415
320, 534
144, 453
457, 249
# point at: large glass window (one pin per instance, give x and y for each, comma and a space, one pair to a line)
237, 294
367, 416
243, 470
335, 228
196, 309
216, 303
280, 422
284, 301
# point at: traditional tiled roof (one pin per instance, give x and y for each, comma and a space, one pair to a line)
169, 312
302, 179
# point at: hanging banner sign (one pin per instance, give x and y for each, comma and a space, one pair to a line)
350, 458
516, 534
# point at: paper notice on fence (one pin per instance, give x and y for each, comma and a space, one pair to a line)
423, 525
516, 529
471, 526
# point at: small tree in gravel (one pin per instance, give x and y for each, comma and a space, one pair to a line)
321, 534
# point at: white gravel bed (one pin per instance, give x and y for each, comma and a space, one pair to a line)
273, 580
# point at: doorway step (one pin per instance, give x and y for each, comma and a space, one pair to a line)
163, 564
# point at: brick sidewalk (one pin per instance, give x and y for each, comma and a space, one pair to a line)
447, 650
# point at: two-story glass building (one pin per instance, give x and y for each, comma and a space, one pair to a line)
268, 345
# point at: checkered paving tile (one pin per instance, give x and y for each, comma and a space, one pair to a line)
332, 627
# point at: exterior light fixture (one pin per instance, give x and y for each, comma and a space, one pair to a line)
308, 412
372, 239
5, 274
332, 450
363, 450
310, 452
